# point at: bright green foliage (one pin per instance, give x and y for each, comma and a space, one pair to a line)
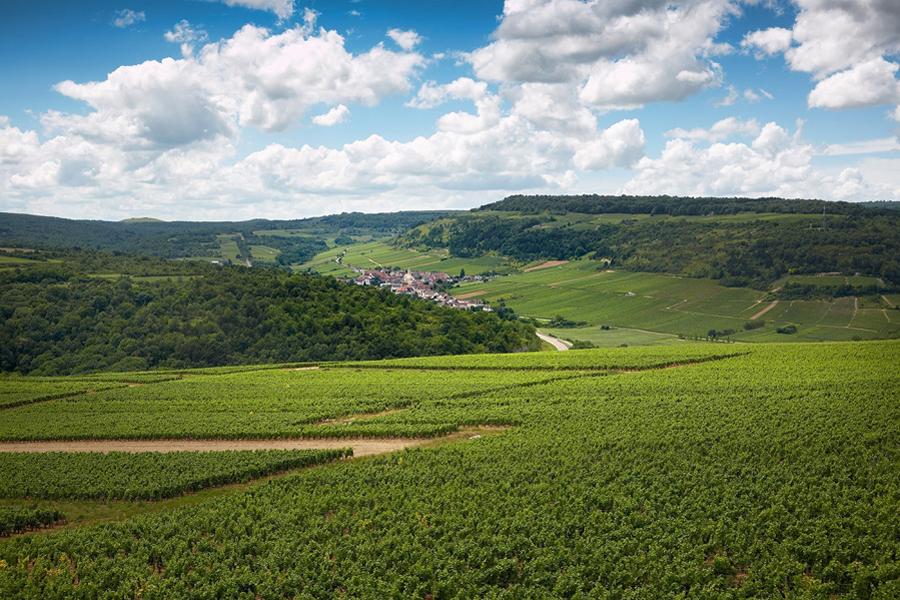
258, 404
774, 473
16, 520
57, 321
145, 475
18, 391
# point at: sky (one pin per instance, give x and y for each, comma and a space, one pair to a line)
238, 109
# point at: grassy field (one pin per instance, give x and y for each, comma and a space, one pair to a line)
659, 303
228, 248
378, 254
688, 470
16, 260
264, 253
830, 280
614, 336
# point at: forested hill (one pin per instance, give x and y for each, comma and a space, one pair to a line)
740, 242
678, 205
62, 316
175, 239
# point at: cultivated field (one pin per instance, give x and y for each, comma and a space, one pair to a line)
584, 291
689, 470
380, 254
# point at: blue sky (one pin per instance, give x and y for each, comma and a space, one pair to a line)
271, 108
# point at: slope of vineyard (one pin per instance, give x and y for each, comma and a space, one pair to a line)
684, 471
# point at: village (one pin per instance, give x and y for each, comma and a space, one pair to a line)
422, 284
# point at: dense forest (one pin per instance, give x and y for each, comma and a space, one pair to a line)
177, 239
744, 252
679, 205
61, 318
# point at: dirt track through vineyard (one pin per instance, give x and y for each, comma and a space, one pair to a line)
772, 305
361, 446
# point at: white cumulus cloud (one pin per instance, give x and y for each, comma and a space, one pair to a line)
405, 39
766, 42
621, 54
775, 162
847, 46
721, 130
867, 84
336, 115
283, 9
255, 77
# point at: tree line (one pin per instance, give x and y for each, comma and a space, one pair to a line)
59, 319
738, 253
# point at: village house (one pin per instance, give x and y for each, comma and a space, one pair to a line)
421, 284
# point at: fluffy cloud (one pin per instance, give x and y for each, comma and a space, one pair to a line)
767, 42
127, 17
867, 84
431, 94
844, 45
836, 34
336, 115
282, 8
721, 130
508, 154
499, 146
253, 78
620, 145
15, 144
776, 162
405, 39
620, 54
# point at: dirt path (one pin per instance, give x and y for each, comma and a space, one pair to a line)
771, 305
889, 303
554, 341
361, 447
545, 265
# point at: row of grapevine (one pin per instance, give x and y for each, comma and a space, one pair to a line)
14, 519
146, 475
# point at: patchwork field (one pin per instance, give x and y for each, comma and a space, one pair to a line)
581, 291
687, 470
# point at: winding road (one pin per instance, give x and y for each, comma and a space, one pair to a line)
554, 341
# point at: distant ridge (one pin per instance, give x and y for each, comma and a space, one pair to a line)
142, 220
680, 205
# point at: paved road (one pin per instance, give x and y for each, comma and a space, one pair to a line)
554, 341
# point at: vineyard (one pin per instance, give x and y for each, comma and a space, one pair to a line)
692, 470
17, 520
147, 476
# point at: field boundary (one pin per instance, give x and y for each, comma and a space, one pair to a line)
586, 368
62, 396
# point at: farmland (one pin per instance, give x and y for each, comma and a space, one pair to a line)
380, 253
583, 291
149, 475
691, 469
